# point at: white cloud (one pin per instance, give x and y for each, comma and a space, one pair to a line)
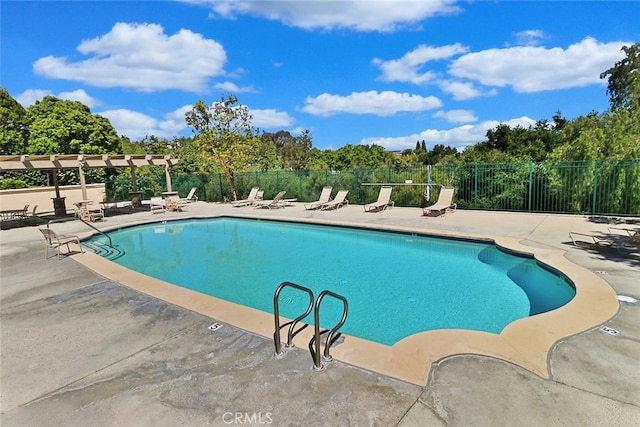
384, 103
464, 90
81, 96
531, 69
459, 137
30, 96
406, 69
359, 15
529, 37
136, 125
142, 57
271, 119
456, 116
232, 87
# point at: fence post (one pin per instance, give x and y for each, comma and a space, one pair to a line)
475, 186
356, 184
530, 184
595, 186
221, 188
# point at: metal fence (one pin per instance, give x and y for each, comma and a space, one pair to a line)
598, 187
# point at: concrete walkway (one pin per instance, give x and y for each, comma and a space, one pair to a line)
78, 349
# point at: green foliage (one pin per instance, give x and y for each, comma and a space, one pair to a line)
624, 80
68, 127
14, 125
224, 130
7, 183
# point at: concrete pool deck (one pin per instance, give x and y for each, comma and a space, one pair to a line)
79, 346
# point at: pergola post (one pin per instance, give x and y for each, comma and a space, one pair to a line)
83, 184
167, 169
59, 206
136, 196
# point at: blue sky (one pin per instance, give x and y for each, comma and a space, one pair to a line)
352, 72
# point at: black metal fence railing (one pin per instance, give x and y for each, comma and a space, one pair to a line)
600, 187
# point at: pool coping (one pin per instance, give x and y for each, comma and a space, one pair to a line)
525, 342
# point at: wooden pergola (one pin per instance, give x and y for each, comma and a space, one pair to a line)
81, 162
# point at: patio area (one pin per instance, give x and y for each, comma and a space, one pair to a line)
79, 346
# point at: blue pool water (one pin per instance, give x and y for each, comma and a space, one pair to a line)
396, 284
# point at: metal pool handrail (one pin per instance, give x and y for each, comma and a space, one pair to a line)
317, 364
276, 315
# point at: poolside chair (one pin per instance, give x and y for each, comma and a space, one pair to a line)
613, 239
33, 218
444, 204
272, 204
325, 196
383, 202
338, 202
54, 241
191, 197
251, 198
87, 211
157, 205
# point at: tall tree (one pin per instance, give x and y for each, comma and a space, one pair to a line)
624, 80
14, 125
224, 130
68, 127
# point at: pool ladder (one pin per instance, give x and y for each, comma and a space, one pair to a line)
314, 344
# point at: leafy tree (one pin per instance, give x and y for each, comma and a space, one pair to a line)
293, 152
14, 125
68, 127
624, 80
224, 130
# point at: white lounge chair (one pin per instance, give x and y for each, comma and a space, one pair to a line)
251, 198
325, 197
87, 211
384, 201
157, 205
338, 202
629, 240
444, 203
55, 240
191, 197
272, 204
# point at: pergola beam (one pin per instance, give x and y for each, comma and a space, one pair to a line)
73, 161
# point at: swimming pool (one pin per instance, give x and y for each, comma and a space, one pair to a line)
397, 284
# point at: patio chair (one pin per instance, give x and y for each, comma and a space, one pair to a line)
325, 196
55, 240
251, 198
444, 203
191, 197
157, 205
616, 240
87, 211
272, 204
338, 202
383, 202
33, 217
